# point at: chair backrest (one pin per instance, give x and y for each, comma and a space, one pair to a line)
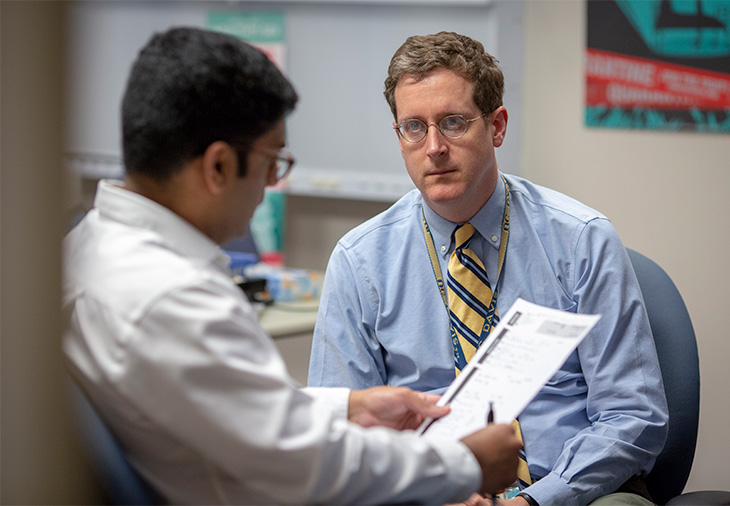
120, 481
677, 350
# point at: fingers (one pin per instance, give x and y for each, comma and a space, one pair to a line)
425, 405
419, 407
432, 398
395, 407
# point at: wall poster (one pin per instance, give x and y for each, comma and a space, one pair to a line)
658, 64
265, 30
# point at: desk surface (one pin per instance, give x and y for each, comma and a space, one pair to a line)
289, 318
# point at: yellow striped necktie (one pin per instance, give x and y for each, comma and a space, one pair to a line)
469, 294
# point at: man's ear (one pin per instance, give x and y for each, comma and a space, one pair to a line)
499, 122
219, 166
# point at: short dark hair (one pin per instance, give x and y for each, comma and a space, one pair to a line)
420, 54
190, 87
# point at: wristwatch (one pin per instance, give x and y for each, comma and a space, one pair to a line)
529, 499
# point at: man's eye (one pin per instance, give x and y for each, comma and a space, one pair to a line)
413, 126
452, 123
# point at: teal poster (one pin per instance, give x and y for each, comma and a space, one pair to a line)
658, 64
264, 29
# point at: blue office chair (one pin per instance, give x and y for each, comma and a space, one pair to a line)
121, 483
677, 350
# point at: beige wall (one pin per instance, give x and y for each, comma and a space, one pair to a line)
666, 193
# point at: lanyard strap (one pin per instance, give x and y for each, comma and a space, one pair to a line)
436, 267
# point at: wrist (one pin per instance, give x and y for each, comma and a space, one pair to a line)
355, 405
528, 498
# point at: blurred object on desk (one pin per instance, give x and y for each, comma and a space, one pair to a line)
286, 284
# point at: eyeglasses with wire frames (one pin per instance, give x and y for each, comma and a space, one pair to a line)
453, 126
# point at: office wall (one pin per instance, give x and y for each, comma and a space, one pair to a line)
666, 193
336, 55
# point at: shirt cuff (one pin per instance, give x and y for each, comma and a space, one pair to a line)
463, 470
335, 398
552, 490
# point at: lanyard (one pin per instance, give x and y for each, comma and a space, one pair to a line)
489, 321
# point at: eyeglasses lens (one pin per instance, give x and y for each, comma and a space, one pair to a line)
284, 162
414, 130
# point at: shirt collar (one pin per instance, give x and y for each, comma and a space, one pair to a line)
119, 204
487, 221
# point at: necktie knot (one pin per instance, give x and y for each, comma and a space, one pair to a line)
462, 235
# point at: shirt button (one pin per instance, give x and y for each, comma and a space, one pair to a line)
494, 238
443, 248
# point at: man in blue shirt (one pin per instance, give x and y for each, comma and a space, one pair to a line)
598, 424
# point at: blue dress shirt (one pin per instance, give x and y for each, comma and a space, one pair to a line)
601, 419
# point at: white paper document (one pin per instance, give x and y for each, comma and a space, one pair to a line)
519, 356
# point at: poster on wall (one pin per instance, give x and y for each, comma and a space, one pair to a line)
658, 64
265, 30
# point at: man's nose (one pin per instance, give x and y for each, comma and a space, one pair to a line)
435, 140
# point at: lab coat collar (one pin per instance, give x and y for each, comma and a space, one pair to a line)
115, 202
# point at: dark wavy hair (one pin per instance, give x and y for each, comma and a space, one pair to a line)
420, 54
190, 87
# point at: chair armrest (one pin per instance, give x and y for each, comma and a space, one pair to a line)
702, 498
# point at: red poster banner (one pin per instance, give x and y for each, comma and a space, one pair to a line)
614, 79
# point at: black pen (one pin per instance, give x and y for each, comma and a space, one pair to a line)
490, 419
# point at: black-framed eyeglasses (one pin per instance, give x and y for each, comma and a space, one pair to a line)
452, 126
284, 161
